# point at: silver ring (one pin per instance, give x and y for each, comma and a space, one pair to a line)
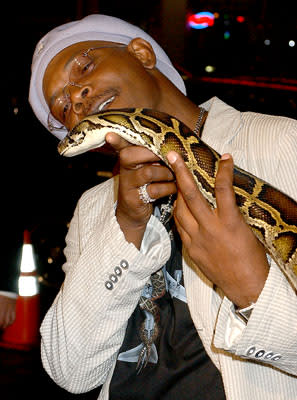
143, 194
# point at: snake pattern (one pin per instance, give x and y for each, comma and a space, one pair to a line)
271, 214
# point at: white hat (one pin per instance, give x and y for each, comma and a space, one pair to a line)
92, 27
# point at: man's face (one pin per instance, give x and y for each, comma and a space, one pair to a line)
90, 76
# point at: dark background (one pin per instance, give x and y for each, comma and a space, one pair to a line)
40, 188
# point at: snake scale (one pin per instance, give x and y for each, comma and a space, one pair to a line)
271, 214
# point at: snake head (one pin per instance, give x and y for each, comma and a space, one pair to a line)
83, 137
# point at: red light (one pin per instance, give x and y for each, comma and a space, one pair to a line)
240, 19
201, 20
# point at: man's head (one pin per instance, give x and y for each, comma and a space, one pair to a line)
100, 36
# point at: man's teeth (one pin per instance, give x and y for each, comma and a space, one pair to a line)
105, 103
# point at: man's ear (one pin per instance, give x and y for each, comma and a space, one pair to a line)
143, 51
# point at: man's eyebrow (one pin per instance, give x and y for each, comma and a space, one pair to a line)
70, 60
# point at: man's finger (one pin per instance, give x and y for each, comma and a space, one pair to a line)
137, 156
225, 196
116, 141
184, 217
185, 237
188, 187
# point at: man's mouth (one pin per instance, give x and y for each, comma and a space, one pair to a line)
105, 103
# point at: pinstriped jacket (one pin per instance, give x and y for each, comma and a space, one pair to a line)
84, 328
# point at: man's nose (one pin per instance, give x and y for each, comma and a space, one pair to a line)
78, 98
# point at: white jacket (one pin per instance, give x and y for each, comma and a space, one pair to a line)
84, 328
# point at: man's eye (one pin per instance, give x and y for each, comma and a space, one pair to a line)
86, 68
81, 67
62, 112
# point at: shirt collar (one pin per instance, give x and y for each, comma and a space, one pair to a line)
222, 121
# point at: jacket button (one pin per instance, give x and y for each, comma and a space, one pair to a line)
124, 264
118, 271
260, 353
250, 351
113, 278
276, 357
268, 355
108, 285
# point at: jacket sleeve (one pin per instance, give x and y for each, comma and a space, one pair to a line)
85, 326
270, 334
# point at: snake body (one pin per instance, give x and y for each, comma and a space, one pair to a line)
271, 214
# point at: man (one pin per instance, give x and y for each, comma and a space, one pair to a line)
134, 305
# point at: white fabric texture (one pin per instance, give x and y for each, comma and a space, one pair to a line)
84, 328
11, 295
92, 27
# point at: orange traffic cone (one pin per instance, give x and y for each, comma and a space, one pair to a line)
23, 334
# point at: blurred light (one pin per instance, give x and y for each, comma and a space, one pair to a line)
50, 260
201, 20
15, 110
291, 43
250, 82
27, 263
104, 174
227, 35
267, 42
28, 286
210, 68
240, 19
226, 16
216, 15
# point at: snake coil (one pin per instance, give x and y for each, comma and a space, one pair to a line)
270, 213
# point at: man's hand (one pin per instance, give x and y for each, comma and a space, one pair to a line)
218, 240
138, 166
7, 311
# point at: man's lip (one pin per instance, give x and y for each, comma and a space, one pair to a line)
109, 99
